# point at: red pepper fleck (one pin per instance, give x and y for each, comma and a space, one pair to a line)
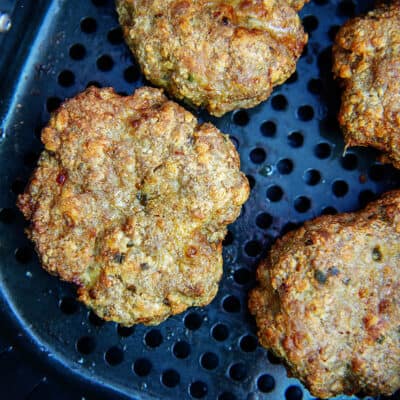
362, 179
61, 178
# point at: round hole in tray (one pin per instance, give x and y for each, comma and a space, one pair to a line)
238, 371
279, 102
340, 188
241, 118
105, 63
66, 78
349, 161
115, 35
220, 332
228, 240
288, 227
181, 349
332, 32
264, 220
86, 345
227, 396
253, 248
302, 204
251, 180
305, 113
266, 383
268, 128
346, 8
231, 304
114, 356
377, 172
153, 338
242, 276
329, 211
142, 367
88, 25
170, 378
131, 74
23, 255
53, 103
274, 193
198, 389
293, 78
314, 86
310, 23
273, 359
125, 331
93, 83
77, 51
248, 343
193, 321
365, 197
325, 61
285, 166
312, 177
209, 360
258, 156
322, 150
293, 393
295, 139
95, 319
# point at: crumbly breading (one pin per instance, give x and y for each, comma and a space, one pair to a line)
221, 54
130, 201
328, 301
367, 63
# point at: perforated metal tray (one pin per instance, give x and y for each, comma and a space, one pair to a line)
291, 150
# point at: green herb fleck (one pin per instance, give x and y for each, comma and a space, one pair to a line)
380, 339
377, 254
119, 258
320, 277
142, 197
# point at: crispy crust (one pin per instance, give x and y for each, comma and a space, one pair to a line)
328, 301
217, 54
367, 62
130, 201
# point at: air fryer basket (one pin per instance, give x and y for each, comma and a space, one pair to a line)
292, 152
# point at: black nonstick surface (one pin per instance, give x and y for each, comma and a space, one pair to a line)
292, 151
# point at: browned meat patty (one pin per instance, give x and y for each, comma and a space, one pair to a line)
130, 201
218, 54
328, 301
367, 62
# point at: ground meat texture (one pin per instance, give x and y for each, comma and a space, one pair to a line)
367, 63
130, 201
328, 301
218, 54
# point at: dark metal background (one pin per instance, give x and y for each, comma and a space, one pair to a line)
291, 149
